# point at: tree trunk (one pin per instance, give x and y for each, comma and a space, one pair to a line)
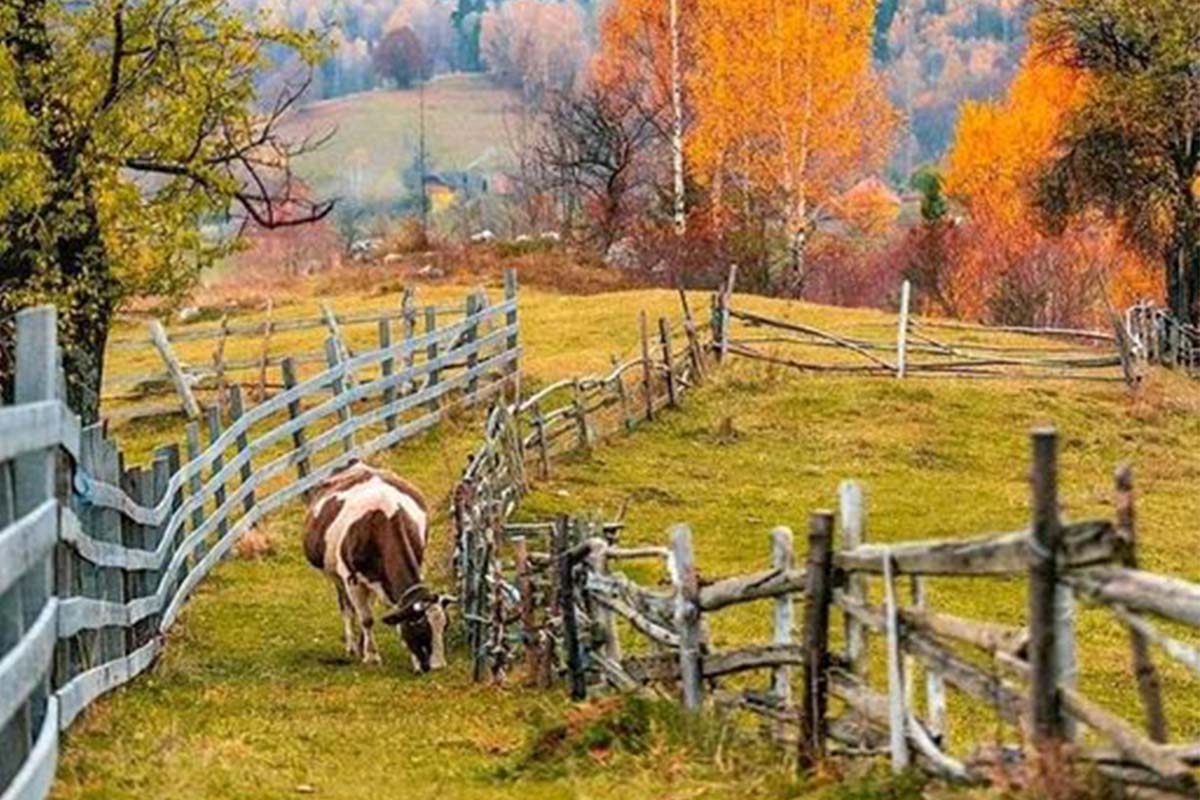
1183, 282
798, 262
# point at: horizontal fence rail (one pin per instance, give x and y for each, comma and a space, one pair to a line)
97, 560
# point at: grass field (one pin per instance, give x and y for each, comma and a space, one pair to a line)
375, 134
253, 699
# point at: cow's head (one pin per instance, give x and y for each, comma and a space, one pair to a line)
422, 617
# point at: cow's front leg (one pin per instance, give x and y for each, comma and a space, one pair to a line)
350, 635
362, 598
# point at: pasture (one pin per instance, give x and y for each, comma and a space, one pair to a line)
253, 697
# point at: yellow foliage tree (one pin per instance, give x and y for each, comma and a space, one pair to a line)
1000, 149
787, 105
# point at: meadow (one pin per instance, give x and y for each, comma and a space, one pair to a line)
253, 697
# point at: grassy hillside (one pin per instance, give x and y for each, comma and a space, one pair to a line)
253, 698
375, 134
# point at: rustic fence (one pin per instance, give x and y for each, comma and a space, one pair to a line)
917, 346
137, 395
1157, 337
577, 612
523, 438
97, 560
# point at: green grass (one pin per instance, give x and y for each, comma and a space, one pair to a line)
376, 134
253, 699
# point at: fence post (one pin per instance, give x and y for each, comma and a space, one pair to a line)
264, 355
299, 440
622, 396
605, 619
473, 307
161, 475
333, 357
902, 330
1048, 727
511, 322
539, 427
236, 411
689, 328
387, 367
218, 463
107, 525
529, 635
664, 333
647, 366
726, 300
687, 617
579, 404
335, 333
34, 482
854, 530
782, 617
566, 604
159, 337
818, 595
431, 354
935, 684
195, 484
1143, 666
896, 675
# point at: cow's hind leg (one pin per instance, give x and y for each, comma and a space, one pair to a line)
362, 598
350, 635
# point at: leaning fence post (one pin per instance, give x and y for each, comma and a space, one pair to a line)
335, 333
1048, 724
237, 411
664, 333
902, 330
1143, 666
782, 618
647, 366
687, 616
337, 386
854, 529
689, 328
158, 336
818, 596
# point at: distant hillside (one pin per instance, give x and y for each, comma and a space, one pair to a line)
376, 135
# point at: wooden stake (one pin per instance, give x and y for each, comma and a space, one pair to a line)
158, 336
902, 330
288, 368
853, 514
647, 366
687, 616
1048, 727
387, 367
431, 354
782, 616
818, 597
664, 334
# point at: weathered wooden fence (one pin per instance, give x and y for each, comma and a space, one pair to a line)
97, 560
825, 700
1157, 337
915, 346
136, 395
521, 440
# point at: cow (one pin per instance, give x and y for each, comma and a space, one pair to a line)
367, 530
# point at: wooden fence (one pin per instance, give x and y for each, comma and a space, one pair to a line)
577, 613
914, 346
1157, 337
97, 560
137, 395
521, 440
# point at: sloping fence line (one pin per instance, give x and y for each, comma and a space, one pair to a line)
577, 611
185, 379
520, 443
97, 560
1157, 337
920, 347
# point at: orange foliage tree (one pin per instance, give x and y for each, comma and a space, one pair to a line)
787, 107
1006, 268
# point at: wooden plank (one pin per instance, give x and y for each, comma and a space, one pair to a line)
1169, 598
853, 523
1048, 721
27, 543
598, 564
664, 334
34, 426
25, 667
755, 586
687, 615
1083, 544
180, 379
1149, 688
106, 525
86, 687
213, 418
782, 615
236, 412
36, 775
815, 641
195, 484
570, 622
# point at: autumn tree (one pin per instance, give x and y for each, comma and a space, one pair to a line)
787, 107
400, 58
1132, 149
128, 125
533, 46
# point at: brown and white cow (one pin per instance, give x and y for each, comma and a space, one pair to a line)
367, 530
